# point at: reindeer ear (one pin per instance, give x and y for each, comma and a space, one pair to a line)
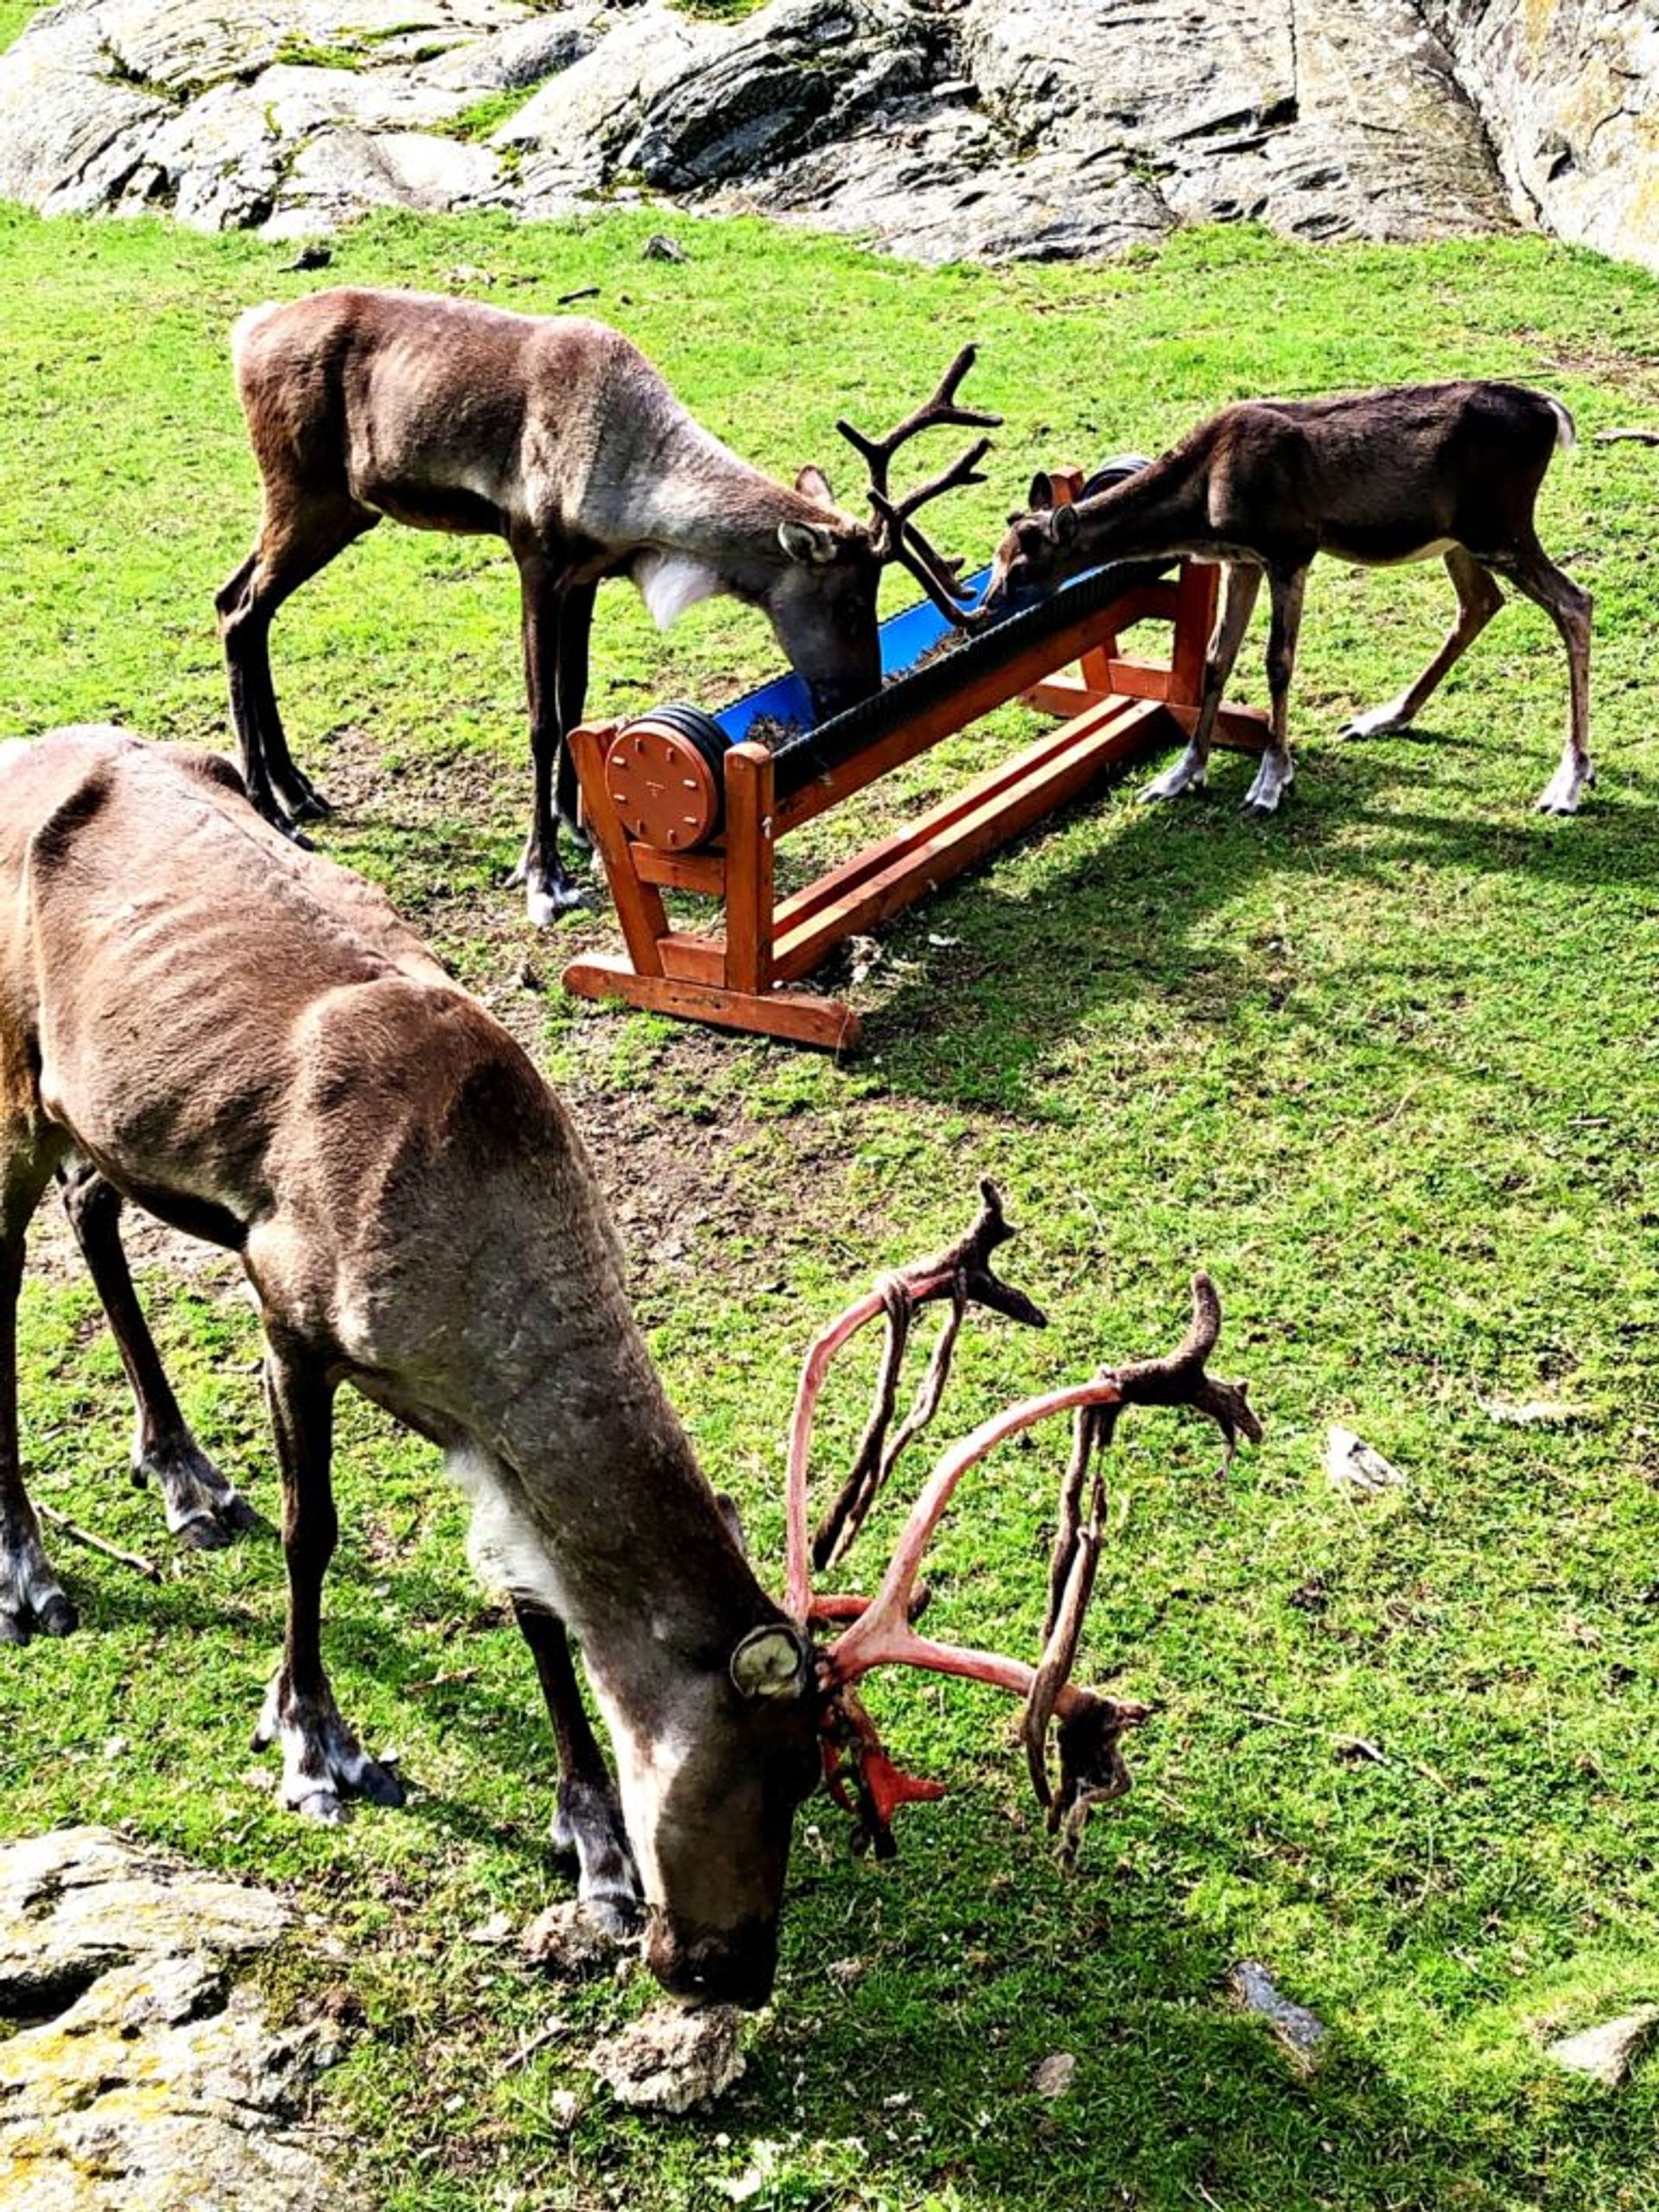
812, 484
810, 542
1041, 498
771, 1662
1062, 526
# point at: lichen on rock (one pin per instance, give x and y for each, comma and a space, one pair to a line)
140, 2073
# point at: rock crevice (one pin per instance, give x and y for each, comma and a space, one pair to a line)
137, 2073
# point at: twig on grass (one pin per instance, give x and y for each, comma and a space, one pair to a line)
558, 2026
1339, 1740
147, 1567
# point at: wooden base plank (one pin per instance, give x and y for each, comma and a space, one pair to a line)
986, 815
800, 1017
1238, 729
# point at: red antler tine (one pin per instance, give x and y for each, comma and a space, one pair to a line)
967, 1263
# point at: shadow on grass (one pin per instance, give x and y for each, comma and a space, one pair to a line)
1180, 2097
1127, 919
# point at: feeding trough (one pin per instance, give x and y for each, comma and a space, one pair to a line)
684, 800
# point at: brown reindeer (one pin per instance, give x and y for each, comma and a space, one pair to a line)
1378, 477
557, 434
243, 1039
240, 1036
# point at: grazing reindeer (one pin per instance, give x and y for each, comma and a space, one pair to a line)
1378, 477
557, 434
243, 1039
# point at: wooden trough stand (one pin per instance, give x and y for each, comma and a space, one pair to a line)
671, 805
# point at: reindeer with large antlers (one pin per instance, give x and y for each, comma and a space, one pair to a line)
243, 1039
555, 434
1377, 478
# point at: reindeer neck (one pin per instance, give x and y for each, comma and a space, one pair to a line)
661, 480
1163, 509
608, 1518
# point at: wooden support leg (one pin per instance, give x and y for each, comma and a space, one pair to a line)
639, 906
1195, 617
749, 855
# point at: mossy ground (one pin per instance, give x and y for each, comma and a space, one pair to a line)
1384, 1064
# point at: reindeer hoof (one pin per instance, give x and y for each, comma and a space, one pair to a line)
201, 1533
1379, 721
380, 1784
545, 903
320, 1805
1561, 795
615, 1916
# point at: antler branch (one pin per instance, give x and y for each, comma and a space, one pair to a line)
1090, 1725
963, 1270
897, 537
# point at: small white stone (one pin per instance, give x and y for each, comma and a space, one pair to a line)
1052, 2076
1350, 1464
1607, 2053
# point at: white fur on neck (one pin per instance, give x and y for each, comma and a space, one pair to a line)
506, 1550
670, 582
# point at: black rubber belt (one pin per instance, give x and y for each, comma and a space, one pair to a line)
801, 760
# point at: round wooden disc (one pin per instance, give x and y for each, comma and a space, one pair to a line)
662, 786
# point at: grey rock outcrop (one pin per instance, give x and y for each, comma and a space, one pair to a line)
134, 2075
941, 129
1569, 91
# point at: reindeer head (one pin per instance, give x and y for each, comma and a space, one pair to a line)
824, 604
710, 1804
821, 603
1040, 547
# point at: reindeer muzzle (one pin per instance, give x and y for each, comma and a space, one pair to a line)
714, 1966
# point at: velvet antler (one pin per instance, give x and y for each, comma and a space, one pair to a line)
882, 1631
963, 1272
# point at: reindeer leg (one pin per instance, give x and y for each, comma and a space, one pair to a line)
589, 1819
576, 635
30, 1596
1478, 600
1240, 581
1568, 606
202, 1508
548, 892
294, 543
322, 1760
1273, 778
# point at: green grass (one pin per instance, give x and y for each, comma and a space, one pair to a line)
1385, 1066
